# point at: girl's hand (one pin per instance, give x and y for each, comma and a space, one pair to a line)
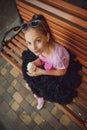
38, 71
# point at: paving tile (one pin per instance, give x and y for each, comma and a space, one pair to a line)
29, 109
49, 106
17, 86
8, 66
1, 99
10, 77
62, 128
7, 97
8, 123
11, 90
22, 126
18, 97
25, 117
5, 84
11, 102
48, 117
20, 77
46, 126
2, 90
3, 71
73, 126
38, 119
14, 72
24, 104
2, 61
31, 125
17, 122
30, 98
23, 82
12, 115
5, 107
23, 91
33, 114
65, 120
2, 125
37, 128
45, 114
15, 106
14, 83
34, 102
2, 79
19, 111
57, 112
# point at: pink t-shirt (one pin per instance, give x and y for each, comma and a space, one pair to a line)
59, 59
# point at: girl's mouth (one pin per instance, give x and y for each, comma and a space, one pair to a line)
36, 51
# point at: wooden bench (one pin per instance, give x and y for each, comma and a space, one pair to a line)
69, 30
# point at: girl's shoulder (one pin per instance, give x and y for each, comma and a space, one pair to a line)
61, 50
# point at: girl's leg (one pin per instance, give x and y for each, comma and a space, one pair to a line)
40, 102
27, 86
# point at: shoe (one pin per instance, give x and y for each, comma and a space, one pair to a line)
40, 103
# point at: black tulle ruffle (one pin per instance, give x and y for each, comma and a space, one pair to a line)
61, 89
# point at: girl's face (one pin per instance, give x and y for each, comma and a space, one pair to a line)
36, 41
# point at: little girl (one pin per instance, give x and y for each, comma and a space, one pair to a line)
56, 75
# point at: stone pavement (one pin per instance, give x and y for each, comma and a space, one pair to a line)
18, 106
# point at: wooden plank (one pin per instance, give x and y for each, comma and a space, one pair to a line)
71, 116
78, 47
70, 36
81, 101
14, 48
22, 48
82, 13
13, 63
78, 111
60, 13
10, 52
53, 19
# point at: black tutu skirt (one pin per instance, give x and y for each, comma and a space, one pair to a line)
61, 89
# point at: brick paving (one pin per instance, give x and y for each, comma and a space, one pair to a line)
18, 106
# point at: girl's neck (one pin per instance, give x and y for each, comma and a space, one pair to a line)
50, 48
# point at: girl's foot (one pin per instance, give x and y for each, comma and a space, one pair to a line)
40, 103
27, 86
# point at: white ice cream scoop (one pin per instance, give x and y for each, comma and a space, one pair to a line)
31, 67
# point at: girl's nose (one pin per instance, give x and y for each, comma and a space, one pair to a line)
34, 47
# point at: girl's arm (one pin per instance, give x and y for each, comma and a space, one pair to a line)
39, 71
58, 72
37, 62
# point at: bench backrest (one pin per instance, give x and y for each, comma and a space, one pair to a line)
67, 29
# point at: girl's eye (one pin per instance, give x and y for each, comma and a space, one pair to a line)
28, 43
38, 41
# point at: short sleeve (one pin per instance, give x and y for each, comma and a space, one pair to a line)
61, 58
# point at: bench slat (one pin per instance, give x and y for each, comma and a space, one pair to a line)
77, 53
13, 63
9, 51
66, 25
82, 13
22, 48
14, 48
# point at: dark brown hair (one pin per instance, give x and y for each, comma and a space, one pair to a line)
43, 27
